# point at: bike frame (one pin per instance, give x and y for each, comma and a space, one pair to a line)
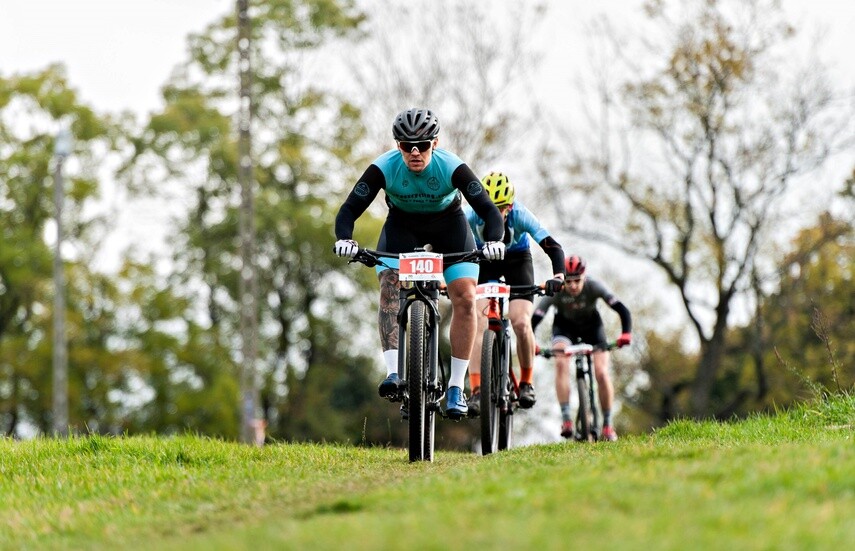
499, 399
422, 425
586, 382
586, 388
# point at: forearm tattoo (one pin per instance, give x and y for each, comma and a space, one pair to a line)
389, 309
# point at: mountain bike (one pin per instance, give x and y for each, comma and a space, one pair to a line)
499, 385
588, 416
419, 363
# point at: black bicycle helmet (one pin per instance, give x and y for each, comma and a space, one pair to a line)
415, 125
574, 266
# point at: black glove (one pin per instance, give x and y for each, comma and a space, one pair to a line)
554, 285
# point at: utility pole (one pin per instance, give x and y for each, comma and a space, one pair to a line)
248, 287
62, 149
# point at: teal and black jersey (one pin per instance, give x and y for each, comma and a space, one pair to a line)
419, 198
419, 192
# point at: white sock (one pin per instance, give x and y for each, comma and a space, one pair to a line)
458, 372
391, 357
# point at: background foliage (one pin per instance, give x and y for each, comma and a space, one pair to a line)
695, 164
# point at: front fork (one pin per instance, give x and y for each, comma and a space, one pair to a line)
434, 377
502, 328
585, 369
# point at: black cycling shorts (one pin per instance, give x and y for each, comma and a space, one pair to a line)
516, 268
589, 330
446, 232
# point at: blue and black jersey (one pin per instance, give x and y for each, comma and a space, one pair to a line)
520, 223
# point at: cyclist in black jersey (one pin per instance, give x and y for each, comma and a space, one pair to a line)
521, 227
578, 320
423, 185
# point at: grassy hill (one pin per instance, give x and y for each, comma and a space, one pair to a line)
771, 482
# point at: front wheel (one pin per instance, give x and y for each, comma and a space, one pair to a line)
583, 417
431, 365
489, 393
504, 400
416, 380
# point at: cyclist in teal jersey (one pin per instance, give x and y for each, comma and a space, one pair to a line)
423, 186
578, 320
517, 269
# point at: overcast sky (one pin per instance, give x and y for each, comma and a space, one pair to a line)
119, 52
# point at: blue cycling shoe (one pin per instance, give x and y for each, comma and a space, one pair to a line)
455, 404
390, 387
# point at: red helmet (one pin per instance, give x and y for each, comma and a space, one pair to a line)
574, 266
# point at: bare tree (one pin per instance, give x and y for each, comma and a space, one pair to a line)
470, 62
696, 160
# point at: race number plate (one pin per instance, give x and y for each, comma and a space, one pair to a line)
420, 266
493, 290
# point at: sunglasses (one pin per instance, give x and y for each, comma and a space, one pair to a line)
421, 146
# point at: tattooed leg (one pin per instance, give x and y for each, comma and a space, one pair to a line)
389, 309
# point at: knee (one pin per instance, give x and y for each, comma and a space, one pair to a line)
522, 326
463, 298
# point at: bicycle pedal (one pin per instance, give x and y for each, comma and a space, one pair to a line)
405, 412
454, 415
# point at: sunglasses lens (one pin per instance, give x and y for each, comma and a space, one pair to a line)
421, 146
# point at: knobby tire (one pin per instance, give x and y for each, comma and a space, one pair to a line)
431, 363
490, 380
416, 380
583, 421
506, 413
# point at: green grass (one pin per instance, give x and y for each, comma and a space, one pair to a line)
776, 483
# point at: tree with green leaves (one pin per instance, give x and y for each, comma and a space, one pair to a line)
121, 343
800, 341
697, 161
304, 151
33, 107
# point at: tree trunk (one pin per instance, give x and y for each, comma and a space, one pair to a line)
712, 354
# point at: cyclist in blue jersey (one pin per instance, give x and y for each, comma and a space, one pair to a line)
577, 319
517, 269
423, 186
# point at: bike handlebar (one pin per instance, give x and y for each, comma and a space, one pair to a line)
527, 290
371, 258
574, 349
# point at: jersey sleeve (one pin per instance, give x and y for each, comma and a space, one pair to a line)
528, 222
614, 303
475, 224
360, 197
598, 290
625, 316
470, 187
540, 311
555, 253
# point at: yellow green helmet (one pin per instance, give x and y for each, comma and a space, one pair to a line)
499, 188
